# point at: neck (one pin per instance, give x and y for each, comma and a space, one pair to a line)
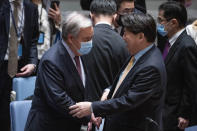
140, 48
107, 19
72, 48
171, 34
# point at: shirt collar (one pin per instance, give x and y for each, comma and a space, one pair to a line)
14, 0
103, 22
142, 52
72, 55
174, 37
20, 1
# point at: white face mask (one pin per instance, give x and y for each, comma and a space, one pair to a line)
85, 47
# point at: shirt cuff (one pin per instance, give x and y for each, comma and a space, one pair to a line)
91, 109
107, 89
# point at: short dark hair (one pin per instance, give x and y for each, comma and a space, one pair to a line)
104, 7
180, 1
118, 2
174, 10
140, 23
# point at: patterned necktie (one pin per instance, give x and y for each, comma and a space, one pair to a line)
13, 44
124, 74
78, 65
166, 50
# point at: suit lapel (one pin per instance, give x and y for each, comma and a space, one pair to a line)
70, 65
26, 23
173, 48
131, 73
117, 78
6, 12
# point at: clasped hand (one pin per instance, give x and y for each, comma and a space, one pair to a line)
82, 109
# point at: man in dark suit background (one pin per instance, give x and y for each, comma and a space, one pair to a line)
16, 17
136, 97
61, 79
140, 4
109, 49
180, 55
108, 53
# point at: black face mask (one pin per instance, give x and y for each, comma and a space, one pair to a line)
119, 21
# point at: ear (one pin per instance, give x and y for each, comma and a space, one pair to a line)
175, 22
69, 38
140, 36
114, 16
114, 20
91, 15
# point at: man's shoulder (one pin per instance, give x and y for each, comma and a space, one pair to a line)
106, 33
52, 53
186, 40
153, 57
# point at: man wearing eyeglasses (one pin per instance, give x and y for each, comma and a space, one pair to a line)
180, 56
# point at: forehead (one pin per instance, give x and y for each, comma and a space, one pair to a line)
126, 4
85, 33
161, 13
129, 33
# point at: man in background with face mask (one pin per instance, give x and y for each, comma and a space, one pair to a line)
180, 55
126, 7
123, 7
61, 79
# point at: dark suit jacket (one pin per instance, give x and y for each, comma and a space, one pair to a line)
139, 97
181, 67
58, 86
30, 37
105, 59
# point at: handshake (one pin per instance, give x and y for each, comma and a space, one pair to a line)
83, 109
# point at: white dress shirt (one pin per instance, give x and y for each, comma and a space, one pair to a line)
103, 22
72, 55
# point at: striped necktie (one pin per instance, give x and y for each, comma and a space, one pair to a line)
13, 44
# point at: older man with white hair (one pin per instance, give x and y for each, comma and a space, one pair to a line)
61, 78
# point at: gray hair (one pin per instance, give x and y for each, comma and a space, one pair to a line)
73, 22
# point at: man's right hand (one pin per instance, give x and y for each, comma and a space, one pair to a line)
105, 94
55, 14
96, 120
182, 123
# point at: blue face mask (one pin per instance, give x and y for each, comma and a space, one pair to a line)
161, 30
85, 47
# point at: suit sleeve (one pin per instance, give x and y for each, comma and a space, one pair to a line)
145, 85
52, 83
33, 54
189, 67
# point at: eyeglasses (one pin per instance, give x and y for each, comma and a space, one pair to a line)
126, 11
160, 20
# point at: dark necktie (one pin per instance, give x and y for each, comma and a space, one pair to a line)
13, 44
166, 50
78, 65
